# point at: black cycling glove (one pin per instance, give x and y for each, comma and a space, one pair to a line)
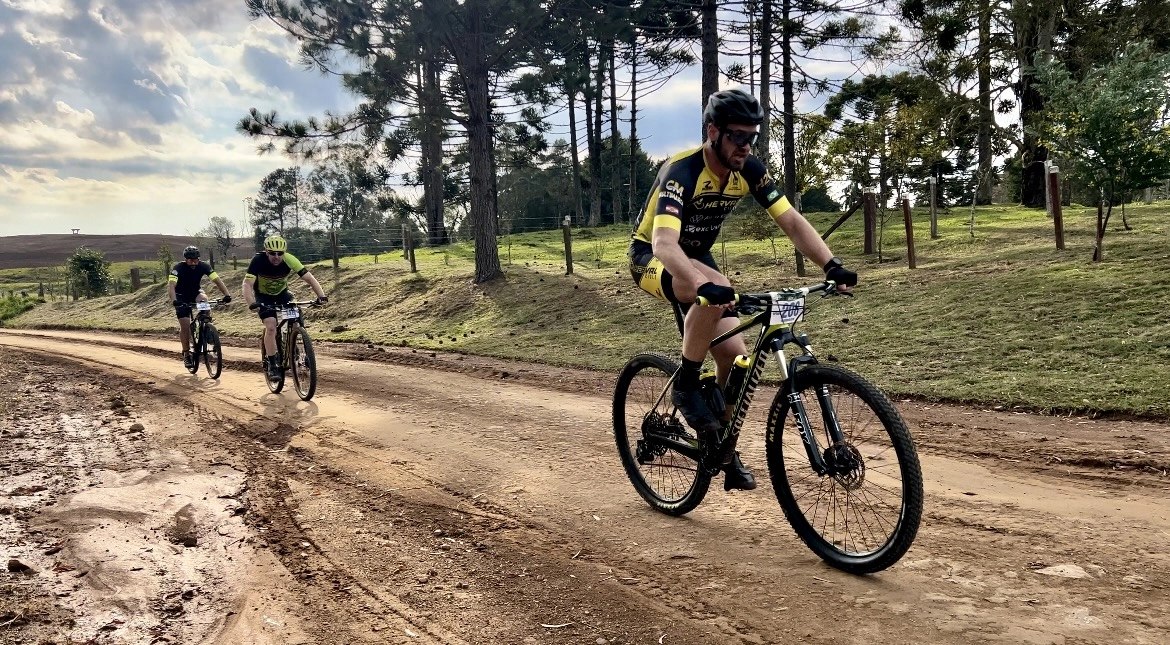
716, 294
254, 306
322, 300
226, 299
839, 274
177, 303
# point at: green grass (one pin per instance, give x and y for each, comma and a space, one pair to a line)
11, 307
997, 318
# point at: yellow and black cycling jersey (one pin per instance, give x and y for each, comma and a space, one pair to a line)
187, 279
687, 197
272, 279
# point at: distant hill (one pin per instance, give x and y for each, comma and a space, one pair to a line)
20, 251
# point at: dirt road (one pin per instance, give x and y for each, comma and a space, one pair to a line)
442, 499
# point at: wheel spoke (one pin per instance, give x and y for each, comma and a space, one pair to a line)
863, 514
669, 480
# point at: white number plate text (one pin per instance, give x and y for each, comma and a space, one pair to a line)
203, 306
288, 314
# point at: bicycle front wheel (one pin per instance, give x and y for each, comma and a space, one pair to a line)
304, 364
193, 367
651, 438
863, 514
212, 354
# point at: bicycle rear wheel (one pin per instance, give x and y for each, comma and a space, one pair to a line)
304, 364
862, 516
212, 355
651, 437
273, 386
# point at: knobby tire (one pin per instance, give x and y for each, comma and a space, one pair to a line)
670, 482
828, 512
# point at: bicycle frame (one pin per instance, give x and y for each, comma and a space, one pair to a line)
198, 319
286, 338
771, 339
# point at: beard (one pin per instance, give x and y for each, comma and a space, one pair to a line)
734, 161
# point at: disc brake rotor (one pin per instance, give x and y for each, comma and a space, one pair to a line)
846, 465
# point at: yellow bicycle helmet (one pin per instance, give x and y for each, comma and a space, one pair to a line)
275, 243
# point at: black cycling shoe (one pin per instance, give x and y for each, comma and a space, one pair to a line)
188, 360
738, 475
273, 370
694, 409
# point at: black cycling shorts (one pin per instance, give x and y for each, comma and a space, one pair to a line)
653, 278
183, 310
268, 302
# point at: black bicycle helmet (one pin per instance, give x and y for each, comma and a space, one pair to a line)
191, 253
733, 106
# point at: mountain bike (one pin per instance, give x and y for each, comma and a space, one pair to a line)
294, 350
205, 339
841, 459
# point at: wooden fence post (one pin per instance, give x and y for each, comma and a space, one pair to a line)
408, 246
211, 257
336, 262
933, 207
1054, 204
799, 256
1098, 249
565, 227
1047, 188
909, 233
135, 278
870, 202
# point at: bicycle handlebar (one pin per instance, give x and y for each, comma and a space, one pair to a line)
286, 305
828, 286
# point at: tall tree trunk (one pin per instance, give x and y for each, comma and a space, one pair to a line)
1035, 22
986, 117
789, 102
633, 125
571, 93
432, 152
710, 38
472, 59
595, 153
615, 150
762, 148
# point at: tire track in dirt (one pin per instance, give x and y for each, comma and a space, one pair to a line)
729, 572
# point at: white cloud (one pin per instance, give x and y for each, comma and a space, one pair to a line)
130, 134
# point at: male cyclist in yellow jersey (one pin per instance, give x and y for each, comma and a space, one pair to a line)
266, 285
184, 287
670, 253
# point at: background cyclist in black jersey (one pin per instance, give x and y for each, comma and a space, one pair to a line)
184, 287
670, 253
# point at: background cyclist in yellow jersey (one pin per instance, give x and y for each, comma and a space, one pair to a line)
670, 253
184, 286
266, 285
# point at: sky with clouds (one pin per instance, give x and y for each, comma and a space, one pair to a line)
118, 116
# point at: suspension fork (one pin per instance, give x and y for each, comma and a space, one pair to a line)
808, 437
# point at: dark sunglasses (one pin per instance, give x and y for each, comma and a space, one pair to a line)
276, 253
741, 138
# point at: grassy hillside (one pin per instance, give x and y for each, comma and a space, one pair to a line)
993, 313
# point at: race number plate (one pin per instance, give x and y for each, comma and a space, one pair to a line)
288, 314
203, 305
786, 312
